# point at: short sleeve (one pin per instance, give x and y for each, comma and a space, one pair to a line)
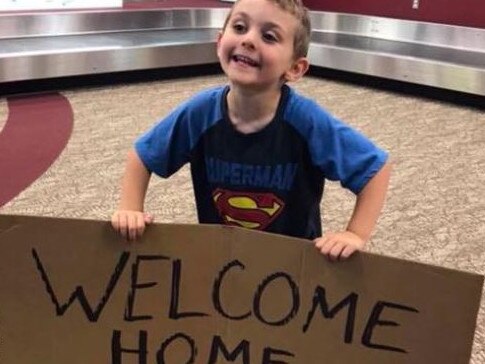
168, 145
342, 153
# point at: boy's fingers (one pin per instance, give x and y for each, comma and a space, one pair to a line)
129, 226
148, 218
336, 250
118, 221
328, 246
335, 246
318, 243
140, 222
327, 240
348, 251
123, 225
137, 225
114, 221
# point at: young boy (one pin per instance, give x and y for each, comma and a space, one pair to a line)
259, 152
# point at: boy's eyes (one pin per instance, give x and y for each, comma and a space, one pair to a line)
268, 36
239, 27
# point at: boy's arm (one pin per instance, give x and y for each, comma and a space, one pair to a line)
130, 220
368, 206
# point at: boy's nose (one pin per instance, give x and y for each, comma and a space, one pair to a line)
248, 44
248, 41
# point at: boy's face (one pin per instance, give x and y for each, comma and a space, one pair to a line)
256, 48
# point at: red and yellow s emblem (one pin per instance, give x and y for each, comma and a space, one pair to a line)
246, 209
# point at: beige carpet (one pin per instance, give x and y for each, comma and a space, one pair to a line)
435, 211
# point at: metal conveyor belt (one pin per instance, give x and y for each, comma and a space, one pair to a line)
46, 45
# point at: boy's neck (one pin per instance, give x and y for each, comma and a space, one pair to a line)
250, 111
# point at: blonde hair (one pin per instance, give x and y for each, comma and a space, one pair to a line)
301, 41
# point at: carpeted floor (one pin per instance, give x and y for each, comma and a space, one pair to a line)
435, 211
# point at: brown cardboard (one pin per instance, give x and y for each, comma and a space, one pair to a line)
184, 280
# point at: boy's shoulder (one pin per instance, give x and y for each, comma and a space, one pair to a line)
301, 108
206, 103
211, 94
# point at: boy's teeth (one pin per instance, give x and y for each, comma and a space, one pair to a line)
247, 60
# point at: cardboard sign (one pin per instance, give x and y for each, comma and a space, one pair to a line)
72, 292
58, 4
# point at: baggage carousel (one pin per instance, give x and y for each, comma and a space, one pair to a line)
47, 45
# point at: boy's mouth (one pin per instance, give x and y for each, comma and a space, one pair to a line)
245, 60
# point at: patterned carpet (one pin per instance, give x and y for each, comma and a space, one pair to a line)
434, 214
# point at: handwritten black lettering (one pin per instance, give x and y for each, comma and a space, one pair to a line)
319, 299
174, 302
170, 340
374, 321
216, 294
218, 345
294, 295
92, 315
268, 356
117, 350
135, 285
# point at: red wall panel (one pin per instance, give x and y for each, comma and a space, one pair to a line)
455, 12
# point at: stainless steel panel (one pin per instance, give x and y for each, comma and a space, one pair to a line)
409, 69
104, 41
85, 22
401, 49
400, 30
43, 45
103, 61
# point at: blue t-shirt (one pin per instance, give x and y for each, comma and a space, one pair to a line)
270, 180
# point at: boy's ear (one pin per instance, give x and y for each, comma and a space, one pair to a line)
218, 43
297, 69
218, 40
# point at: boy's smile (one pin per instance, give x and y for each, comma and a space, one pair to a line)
256, 47
244, 61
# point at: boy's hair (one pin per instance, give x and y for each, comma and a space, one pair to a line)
300, 12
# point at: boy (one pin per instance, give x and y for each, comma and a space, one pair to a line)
260, 152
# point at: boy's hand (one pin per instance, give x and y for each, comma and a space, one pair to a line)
339, 245
130, 224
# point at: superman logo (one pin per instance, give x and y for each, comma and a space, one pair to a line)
246, 209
